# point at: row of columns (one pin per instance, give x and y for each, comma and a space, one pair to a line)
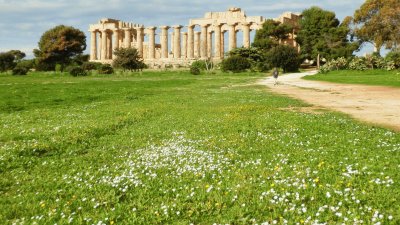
105, 45
188, 44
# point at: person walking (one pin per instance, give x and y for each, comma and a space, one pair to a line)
275, 74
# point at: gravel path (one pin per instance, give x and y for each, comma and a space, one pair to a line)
374, 104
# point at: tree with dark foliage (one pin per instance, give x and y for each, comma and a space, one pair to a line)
59, 45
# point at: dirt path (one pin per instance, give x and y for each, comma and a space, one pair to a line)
373, 104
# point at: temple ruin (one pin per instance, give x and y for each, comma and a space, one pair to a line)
181, 47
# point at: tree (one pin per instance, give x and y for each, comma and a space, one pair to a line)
377, 22
285, 57
255, 55
128, 59
235, 64
271, 33
322, 34
58, 46
8, 60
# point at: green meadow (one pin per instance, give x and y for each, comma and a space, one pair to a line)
173, 148
368, 77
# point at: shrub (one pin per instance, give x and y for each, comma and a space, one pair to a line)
27, 64
390, 65
58, 68
358, 63
255, 55
235, 64
285, 57
200, 64
339, 63
128, 59
375, 62
19, 71
106, 69
77, 71
6, 61
262, 66
394, 57
70, 67
335, 64
194, 70
325, 68
87, 66
41, 65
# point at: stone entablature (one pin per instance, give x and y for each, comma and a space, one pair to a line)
187, 44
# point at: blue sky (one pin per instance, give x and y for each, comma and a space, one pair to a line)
22, 22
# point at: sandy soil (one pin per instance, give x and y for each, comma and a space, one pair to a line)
373, 104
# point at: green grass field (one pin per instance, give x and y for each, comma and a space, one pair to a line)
173, 148
369, 77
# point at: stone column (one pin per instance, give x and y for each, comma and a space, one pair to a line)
197, 44
116, 41
209, 43
184, 45
246, 34
177, 41
190, 42
103, 44
93, 45
232, 36
164, 42
217, 41
128, 38
223, 44
109, 46
152, 42
139, 38
172, 43
203, 42
100, 46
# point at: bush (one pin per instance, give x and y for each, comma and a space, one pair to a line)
106, 69
41, 65
335, 64
19, 71
375, 62
58, 68
255, 55
194, 70
394, 57
339, 63
325, 68
285, 57
77, 71
7, 61
390, 65
27, 64
235, 64
87, 66
128, 59
262, 66
199, 64
358, 63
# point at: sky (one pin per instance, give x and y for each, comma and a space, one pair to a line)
22, 22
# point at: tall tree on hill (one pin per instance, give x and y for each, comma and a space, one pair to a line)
378, 22
58, 46
322, 35
271, 33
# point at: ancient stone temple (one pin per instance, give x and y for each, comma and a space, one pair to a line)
202, 38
